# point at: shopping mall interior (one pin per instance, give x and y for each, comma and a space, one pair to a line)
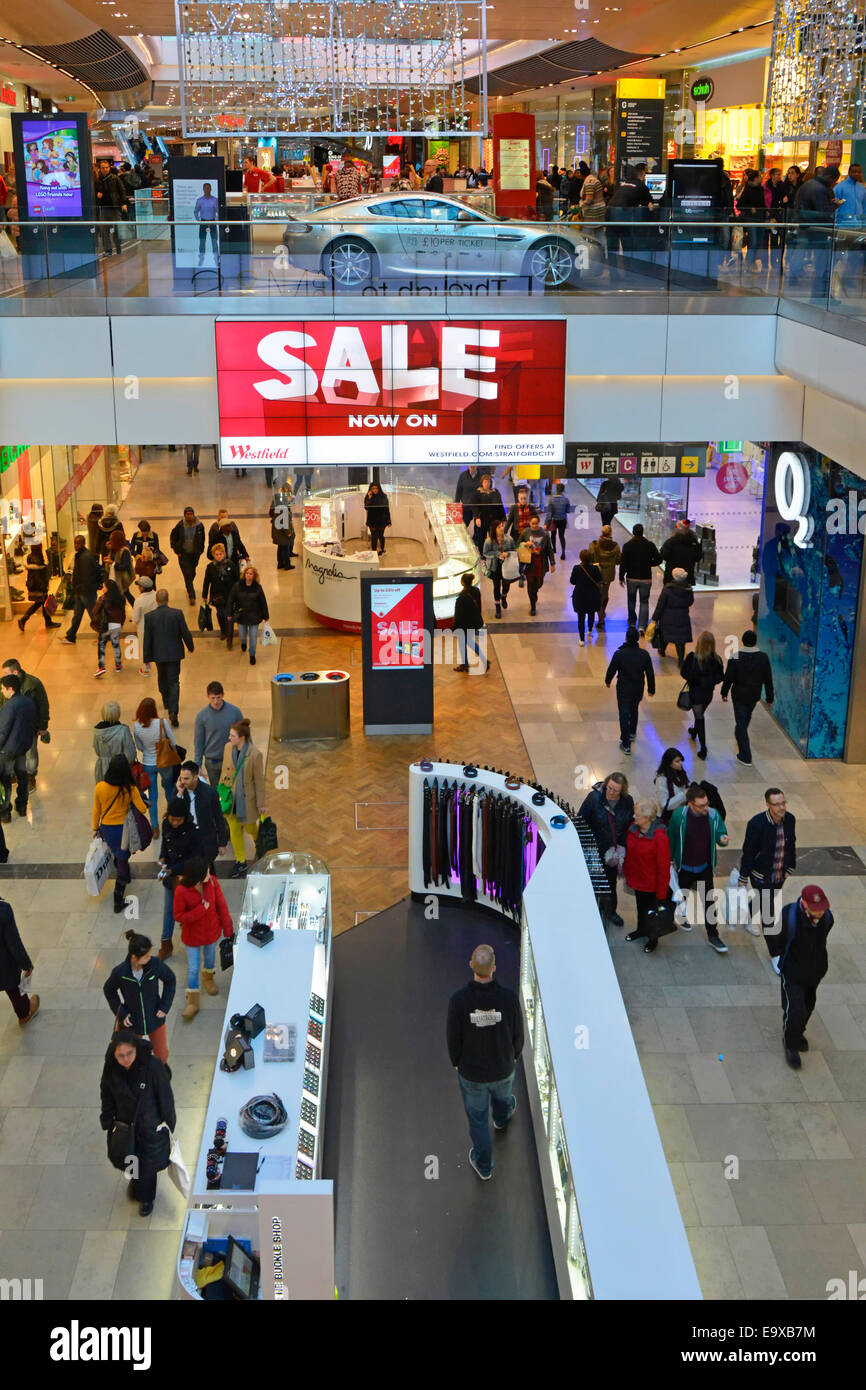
339, 288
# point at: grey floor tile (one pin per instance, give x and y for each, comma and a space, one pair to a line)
18, 1185
645, 1030
74, 1197
53, 1140
840, 1024
725, 1030
709, 1076
17, 1133
756, 1264
824, 1131
20, 1078
722, 1130
66, 1081
148, 1266
716, 1267
847, 1068
839, 1188
771, 1193
851, 1119
788, 1136
191, 1079
97, 1266
202, 1036
809, 1256
712, 1193
675, 1029
676, 1136
668, 1077
817, 1079
702, 996
762, 1076
857, 1232
51, 1256
685, 1199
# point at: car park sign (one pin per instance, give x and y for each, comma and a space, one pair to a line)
322, 392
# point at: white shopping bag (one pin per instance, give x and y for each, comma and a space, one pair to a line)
736, 907
267, 636
678, 897
177, 1169
97, 866
7, 250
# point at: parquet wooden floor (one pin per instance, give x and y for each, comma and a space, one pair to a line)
473, 719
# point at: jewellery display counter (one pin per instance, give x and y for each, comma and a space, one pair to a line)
332, 578
260, 1220
615, 1225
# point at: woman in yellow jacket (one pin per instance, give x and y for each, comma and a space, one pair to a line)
112, 798
243, 771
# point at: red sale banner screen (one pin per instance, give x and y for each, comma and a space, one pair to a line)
315, 393
397, 617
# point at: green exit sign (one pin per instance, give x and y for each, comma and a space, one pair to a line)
731, 446
9, 453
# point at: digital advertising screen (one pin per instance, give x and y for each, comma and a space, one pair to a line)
52, 167
313, 393
397, 623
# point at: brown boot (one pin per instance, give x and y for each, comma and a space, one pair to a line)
165, 949
34, 1009
192, 1005
210, 983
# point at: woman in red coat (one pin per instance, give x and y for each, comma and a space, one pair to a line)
647, 868
201, 909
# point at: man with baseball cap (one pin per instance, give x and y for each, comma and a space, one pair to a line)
485, 1038
800, 952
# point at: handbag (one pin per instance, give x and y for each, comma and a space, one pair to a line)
266, 837
205, 618
227, 952
661, 920
524, 553
137, 831
651, 631
684, 699
139, 776
226, 790
121, 1140
50, 605
511, 567
167, 754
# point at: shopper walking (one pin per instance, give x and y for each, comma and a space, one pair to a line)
165, 637
556, 516
220, 577
112, 204
112, 798
702, 671
32, 687
487, 508
212, 728
378, 514
180, 842
18, 720
632, 666
205, 810
144, 604
469, 622
468, 484
187, 542
154, 740
111, 737
647, 870
201, 910
225, 532
146, 566
605, 553
140, 992
608, 499
243, 775
109, 615
484, 1033
106, 525
86, 579
145, 537
639, 556
518, 516
282, 530
609, 811
497, 549
671, 615
121, 566
800, 953
681, 551
586, 596
38, 573
249, 607
15, 962
747, 673
537, 557
671, 781
695, 831
137, 1110
769, 856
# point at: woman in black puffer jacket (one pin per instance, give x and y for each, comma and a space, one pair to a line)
135, 1088
249, 607
140, 992
609, 811
672, 614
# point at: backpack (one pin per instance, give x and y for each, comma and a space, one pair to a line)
714, 798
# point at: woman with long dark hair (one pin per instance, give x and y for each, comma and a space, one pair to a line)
140, 992
702, 671
671, 781
38, 573
109, 615
112, 798
137, 1112
378, 512
586, 595
496, 548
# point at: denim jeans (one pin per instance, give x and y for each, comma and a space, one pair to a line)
478, 1098
168, 914
193, 956
113, 632
638, 589
80, 606
153, 794
252, 632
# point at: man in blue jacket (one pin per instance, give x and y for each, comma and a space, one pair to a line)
769, 855
800, 949
17, 731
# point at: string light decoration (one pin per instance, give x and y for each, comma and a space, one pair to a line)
331, 67
817, 70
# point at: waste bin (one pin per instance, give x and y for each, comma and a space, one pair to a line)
309, 704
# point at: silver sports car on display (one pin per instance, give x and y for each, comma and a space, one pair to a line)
355, 243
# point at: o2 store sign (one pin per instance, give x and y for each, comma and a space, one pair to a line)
793, 492
317, 393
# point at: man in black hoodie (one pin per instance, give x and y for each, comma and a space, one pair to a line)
746, 673
816, 213
681, 551
636, 573
632, 666
800, 952
485, 1038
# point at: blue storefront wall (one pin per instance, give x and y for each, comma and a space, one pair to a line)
808, 604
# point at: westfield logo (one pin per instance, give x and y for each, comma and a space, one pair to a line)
348, 373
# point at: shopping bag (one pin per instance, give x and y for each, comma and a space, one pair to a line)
97, 866
661, 920
227, 952
651, 631
511, 567
50, 605
7, 250
266, 837
137, 831
31, 760
205, 618
678, 898
177, 1169
267, 636
684, 699
735, 906
524, 553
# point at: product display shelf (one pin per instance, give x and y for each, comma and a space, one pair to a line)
598, 1145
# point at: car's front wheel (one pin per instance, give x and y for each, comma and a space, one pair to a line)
349, 264
551, 264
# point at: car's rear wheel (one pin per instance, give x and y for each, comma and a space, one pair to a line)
550, 264
349, 264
